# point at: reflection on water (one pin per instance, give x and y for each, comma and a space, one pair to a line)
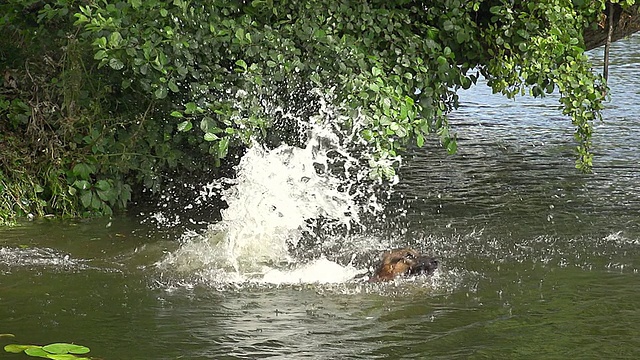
538, 261
515, 162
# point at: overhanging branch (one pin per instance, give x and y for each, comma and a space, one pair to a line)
625, 23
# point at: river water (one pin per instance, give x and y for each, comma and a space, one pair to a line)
537, 260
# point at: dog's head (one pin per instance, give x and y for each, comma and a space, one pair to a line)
403, 262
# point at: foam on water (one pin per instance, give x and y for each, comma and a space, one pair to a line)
322, 271
38, 257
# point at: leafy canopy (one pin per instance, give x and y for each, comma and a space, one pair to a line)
397, 63
102, 97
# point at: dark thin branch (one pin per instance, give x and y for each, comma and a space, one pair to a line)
607, 45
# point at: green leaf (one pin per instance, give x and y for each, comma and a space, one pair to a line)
37, 351
432, 33
107, 195
191, 108
82, 184
210, 137
161, 93
126, 83
100, 54
315, 78
83, 170
66, 357
103, 185
242, 64
452, 146
85, 10
223, 147
86, 199
16, 348
208, 124
404, 111
65, 348
496, 9
172, 86
101, 42
116, 64
96, 202
115, 39
462, 37
240, 34
367, 134
177, 114
185, 126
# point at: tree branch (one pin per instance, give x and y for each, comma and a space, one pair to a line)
626, 22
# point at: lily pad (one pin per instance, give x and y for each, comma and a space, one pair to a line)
7, 335
66, 357
17, 348
64, 348
37, 352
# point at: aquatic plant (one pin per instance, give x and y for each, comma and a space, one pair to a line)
55, 351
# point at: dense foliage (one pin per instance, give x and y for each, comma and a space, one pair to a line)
104, 95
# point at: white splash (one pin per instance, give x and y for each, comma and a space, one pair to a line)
274, 199
321, 271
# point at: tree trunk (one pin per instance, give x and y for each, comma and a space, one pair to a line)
626, 22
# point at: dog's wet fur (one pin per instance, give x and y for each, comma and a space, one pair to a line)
403, 262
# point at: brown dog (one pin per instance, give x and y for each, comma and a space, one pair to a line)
403, 262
